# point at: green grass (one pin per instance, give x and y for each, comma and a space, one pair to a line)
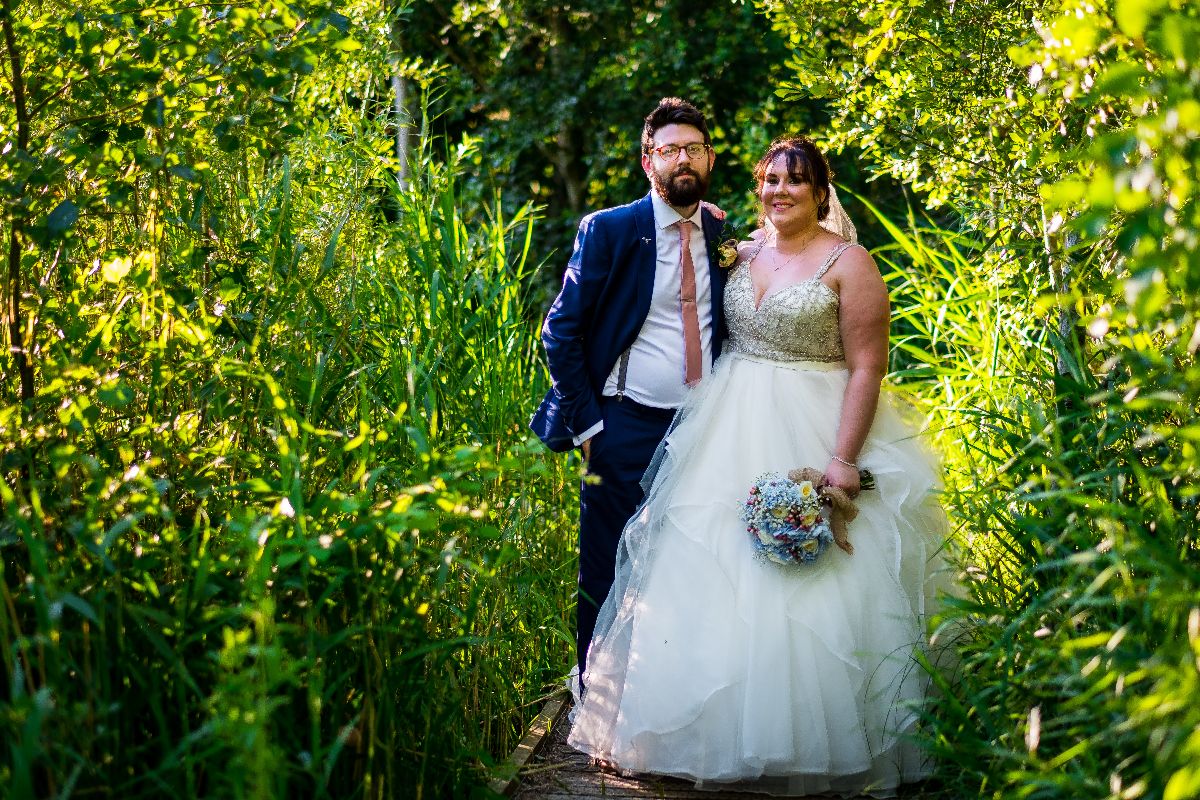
273, 526
1077, 626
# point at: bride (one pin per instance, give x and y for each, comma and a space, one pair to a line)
711, 664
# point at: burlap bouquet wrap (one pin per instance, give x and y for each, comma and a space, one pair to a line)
842, 510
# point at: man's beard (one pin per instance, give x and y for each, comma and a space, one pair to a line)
681, 193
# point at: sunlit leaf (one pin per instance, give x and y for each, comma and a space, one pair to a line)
116, 269
117, 395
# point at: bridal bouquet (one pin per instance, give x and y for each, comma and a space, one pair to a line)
793, 520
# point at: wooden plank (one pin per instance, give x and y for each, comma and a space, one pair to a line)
532, 742
596, 784
695, 794
560, 772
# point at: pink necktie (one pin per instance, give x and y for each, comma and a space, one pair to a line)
687, 306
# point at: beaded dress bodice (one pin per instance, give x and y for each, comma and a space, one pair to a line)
796, 323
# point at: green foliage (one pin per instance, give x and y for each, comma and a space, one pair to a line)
557, 93
926, 91
1075, 630
269, 520
127, 91
1054, 341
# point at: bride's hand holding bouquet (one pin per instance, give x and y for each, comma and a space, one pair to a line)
843, 475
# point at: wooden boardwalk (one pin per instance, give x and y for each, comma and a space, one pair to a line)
550, 769
559, 772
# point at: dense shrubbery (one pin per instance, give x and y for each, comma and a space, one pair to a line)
1055, 338
269, 528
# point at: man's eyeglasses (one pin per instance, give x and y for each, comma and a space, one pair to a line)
670, 152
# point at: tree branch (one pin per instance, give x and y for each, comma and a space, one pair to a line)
16, 343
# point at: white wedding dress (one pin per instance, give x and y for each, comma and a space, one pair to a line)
713, 665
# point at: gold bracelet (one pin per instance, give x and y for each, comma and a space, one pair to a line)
844, 461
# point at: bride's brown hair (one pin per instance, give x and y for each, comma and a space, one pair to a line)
804, 162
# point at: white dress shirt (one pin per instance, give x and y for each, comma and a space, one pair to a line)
656, 358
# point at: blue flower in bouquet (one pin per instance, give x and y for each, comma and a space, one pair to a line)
788, 521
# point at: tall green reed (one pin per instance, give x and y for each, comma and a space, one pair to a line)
1077, 624
968, 341
282, 534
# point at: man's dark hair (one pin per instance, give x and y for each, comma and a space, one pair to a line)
672, 111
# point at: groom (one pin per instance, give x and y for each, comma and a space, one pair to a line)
638, 322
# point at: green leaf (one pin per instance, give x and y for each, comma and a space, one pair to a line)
1183, 784
184, 171
1133, 16
1188, 115
81, 606
328, 262
113, 271
153, 112
1078, 37
62, 218
1065, 192
1147, 293
1123, 79
338, 21
488, 532
1179, 37
228, 289
258, 486
117, 395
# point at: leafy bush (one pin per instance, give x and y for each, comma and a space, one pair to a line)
1054, 340
270, 525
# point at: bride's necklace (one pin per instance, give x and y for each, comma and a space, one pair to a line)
804, 243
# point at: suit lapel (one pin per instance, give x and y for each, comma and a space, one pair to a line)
713, 228
647, 256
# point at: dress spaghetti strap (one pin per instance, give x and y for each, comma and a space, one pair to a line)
833, 256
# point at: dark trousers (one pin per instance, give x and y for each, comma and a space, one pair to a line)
619, 456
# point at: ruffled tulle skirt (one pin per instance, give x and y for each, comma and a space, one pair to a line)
713, 665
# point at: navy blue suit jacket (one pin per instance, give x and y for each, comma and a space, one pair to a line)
596, 317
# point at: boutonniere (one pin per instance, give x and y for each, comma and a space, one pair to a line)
727, 253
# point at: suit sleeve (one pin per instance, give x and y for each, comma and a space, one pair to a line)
567, 322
